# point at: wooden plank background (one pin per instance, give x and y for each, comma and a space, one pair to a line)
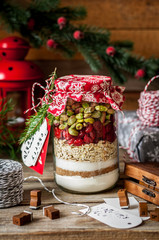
134, 20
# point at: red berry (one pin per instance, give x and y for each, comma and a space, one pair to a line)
89, 128
92, 135
104, 133
140, 73
71, 141
109, 128
31, 24
78, 35
111, 137
87, 139
66, 135
96, 140
81, 133
98, 126
61, 21
78, 142
57, 132
110, 51
51, 43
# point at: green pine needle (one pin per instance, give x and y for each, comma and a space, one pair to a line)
44, 6
8, 141
33, 123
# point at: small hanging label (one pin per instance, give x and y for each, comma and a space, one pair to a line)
39, 167
114, 217
133, 209
32, 149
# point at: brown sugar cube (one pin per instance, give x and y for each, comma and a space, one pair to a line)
143, 210
29, 216
22, 218
51, 212
45, 210
18, 219
36, 193
123, 198
35, 203
154, 216
35, 199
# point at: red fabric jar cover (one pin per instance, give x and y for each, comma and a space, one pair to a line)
85, 88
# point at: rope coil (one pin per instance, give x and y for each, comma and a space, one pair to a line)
11, 183
148, 111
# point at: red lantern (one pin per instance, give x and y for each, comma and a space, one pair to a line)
17, 75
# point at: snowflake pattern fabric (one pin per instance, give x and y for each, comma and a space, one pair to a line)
87, 88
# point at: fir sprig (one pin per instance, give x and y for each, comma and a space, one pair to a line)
44, 6
34, 122
8, 141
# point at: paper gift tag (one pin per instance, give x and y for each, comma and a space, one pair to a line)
39, 167
114, 217
32, 148
133, 209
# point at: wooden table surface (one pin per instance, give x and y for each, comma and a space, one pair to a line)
68, 226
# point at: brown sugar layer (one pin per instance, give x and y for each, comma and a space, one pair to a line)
86, 174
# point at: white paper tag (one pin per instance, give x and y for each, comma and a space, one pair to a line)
32, 147
133, 206
114, 217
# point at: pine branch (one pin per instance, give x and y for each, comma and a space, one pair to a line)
123, 44
90, 57
33, 123
77, 13
44, 6
116, 75
45, 14
13, 16
8, 141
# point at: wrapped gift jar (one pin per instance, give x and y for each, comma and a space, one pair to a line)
85, 140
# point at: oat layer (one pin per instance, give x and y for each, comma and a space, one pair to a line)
101, 151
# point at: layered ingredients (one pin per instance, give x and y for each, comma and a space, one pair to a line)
85, 147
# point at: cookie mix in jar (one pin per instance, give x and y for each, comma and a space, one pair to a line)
85, 140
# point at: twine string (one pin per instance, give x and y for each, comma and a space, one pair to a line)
11, 183
150, 81
47, 92
148, 111
59, 200
148, 114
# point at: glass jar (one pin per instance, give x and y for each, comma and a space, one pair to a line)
85, 145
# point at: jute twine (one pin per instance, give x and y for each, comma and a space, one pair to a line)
11, 183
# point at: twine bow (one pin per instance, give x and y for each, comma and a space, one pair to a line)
48, 91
